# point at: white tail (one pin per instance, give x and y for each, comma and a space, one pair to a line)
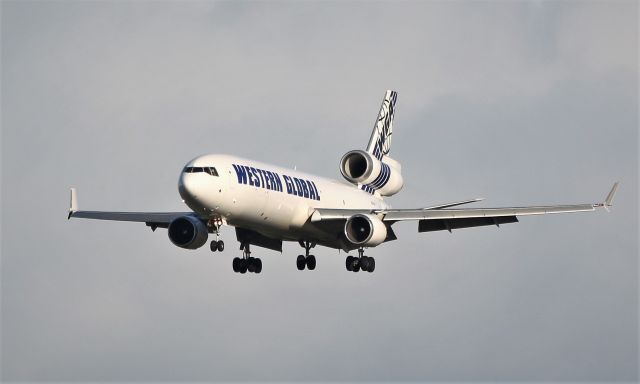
380, 141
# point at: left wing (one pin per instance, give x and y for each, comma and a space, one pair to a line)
152, 219
436, 218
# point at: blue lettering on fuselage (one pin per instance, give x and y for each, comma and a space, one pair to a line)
262, 178
242, 174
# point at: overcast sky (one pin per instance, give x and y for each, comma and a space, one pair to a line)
518, 102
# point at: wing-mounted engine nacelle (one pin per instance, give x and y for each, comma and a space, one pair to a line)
365, 230
360, 167
188, 232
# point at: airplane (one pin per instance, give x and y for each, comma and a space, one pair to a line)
268, 205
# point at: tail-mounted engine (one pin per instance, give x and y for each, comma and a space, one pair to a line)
360, 167
188, 232
365, 230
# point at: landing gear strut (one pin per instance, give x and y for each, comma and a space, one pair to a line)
306, 260
362, 262
217, 244
246, 263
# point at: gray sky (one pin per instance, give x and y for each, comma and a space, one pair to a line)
519, 102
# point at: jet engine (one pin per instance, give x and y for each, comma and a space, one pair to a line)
360, 167
365, 230
188, 232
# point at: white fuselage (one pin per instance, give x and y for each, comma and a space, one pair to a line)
271, 200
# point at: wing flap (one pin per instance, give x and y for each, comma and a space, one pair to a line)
449, 224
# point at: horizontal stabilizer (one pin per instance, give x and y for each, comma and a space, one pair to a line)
449, 205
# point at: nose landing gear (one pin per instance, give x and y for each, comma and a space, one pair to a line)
362, 262
217, 244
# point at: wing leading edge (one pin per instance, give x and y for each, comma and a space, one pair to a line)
436, 218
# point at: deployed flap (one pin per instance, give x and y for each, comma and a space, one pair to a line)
449, 224
254, 238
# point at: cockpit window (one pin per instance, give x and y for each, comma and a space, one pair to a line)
210, 170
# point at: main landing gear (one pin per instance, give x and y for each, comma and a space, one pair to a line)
246, 263
306, 260
362, 262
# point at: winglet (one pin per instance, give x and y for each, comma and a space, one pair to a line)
609, 200
73, 206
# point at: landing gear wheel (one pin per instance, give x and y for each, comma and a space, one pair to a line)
220, 246
214, 246
236, 264
258, 267
355, 265
306, 260
372, 265
349, 263
364, 263
311, 262
243, 266
251, 265
300, 262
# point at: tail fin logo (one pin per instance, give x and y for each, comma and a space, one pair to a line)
380, 142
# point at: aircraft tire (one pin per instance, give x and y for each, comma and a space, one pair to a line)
236, 264
214, 246
220, 246
300, 262
311, 262
349, 263
372, 265
258, 266
364, 263
251, 265
355, 266
243, 266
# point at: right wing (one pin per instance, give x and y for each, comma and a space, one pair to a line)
152, 219
436, 218
448, 219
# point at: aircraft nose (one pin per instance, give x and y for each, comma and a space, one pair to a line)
185, 186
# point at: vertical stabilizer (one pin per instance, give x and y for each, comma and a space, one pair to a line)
380, 141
